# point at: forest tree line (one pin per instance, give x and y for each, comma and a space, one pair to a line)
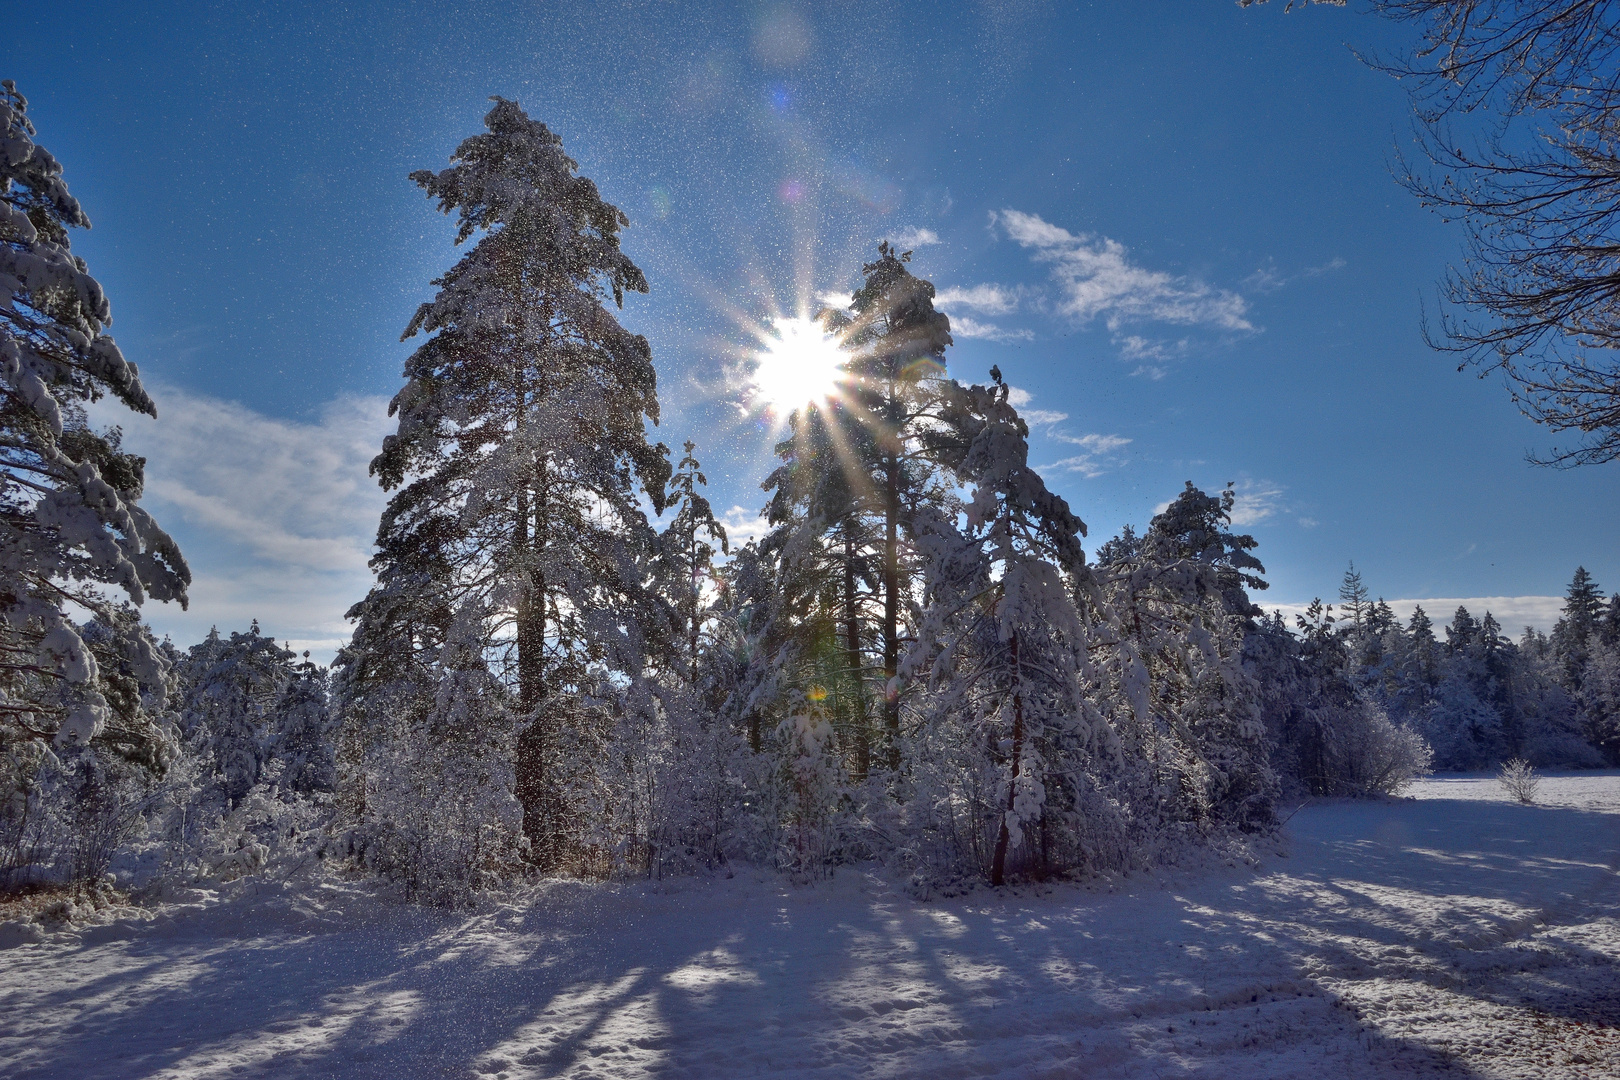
918, 663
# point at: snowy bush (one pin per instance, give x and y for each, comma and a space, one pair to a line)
1363, 752
431, 794
72, 817
814, 782
440, 819
665, 796
1519, 780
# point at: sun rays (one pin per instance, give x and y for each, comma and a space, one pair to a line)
798, 363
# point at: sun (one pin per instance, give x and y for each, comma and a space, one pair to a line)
798, 363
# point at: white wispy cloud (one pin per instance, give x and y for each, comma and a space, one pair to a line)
1152, 355
1097, 280
1268, 278
989, 298
742, 525
986, 299
275, 516
963, 326
908, 239
1018, 398
1256, 501
1100, 454
1102, 444
1043, 417
1137, 347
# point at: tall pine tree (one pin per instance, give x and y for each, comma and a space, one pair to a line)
521, 440
898, 344
822, 511
72, 533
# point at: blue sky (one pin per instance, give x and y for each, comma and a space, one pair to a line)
1171, 224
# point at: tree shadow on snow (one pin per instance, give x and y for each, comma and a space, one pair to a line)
1237, 973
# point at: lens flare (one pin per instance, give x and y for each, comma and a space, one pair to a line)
797, 365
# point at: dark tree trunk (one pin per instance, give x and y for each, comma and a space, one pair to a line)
532, 781
891, 610
998, 865
852, 650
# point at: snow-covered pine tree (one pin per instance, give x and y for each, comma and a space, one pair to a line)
1461, 634
70, 524
1573, 633
1002, 640
72, 533
662, 794
1422, 672
1600, 702
1183, 610
1354, 599
897, 343
521, 437
229, 692
1330, 733
686, 556
822, 514
302, 735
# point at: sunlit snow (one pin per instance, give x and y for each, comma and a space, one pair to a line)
1454, 932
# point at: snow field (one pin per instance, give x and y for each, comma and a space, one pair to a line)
1453, 933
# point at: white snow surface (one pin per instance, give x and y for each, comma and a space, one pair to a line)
1450, 933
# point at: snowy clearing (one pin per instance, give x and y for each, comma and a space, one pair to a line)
1452, 933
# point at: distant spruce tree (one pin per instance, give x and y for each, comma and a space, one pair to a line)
1583, 603
1354, 599
1579, 629
687, 551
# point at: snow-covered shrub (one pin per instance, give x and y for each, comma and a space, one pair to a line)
1364, 753
72, 816
813, 783
1519, 780
665, 793
273, 826
441, 819
27, 826
431, 792
107, 807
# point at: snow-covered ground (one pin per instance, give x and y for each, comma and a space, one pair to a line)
1452, 933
